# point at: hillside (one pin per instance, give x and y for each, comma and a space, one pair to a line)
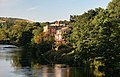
13, 20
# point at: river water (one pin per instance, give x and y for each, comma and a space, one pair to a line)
11, 65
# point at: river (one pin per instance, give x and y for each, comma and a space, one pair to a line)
13, 65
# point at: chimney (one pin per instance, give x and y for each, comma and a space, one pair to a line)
57, 23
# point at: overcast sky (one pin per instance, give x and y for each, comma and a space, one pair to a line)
47, 10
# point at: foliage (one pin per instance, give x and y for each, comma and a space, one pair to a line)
96, 34
20, 32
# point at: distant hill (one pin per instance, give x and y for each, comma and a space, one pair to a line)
13, 20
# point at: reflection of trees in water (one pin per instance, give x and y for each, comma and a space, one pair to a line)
26, 64
21, 59
32, 60
37, 69
31, 67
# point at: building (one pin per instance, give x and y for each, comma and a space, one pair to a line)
2, 23
56, 30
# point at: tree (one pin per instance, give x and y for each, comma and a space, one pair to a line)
25, 39
95, 34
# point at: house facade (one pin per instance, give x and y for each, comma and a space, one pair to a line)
56, 30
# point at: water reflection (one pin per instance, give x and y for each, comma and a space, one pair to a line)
44, 71
17, 63
26, 64
52, 71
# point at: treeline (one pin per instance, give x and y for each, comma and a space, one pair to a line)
95, 35
20, 32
